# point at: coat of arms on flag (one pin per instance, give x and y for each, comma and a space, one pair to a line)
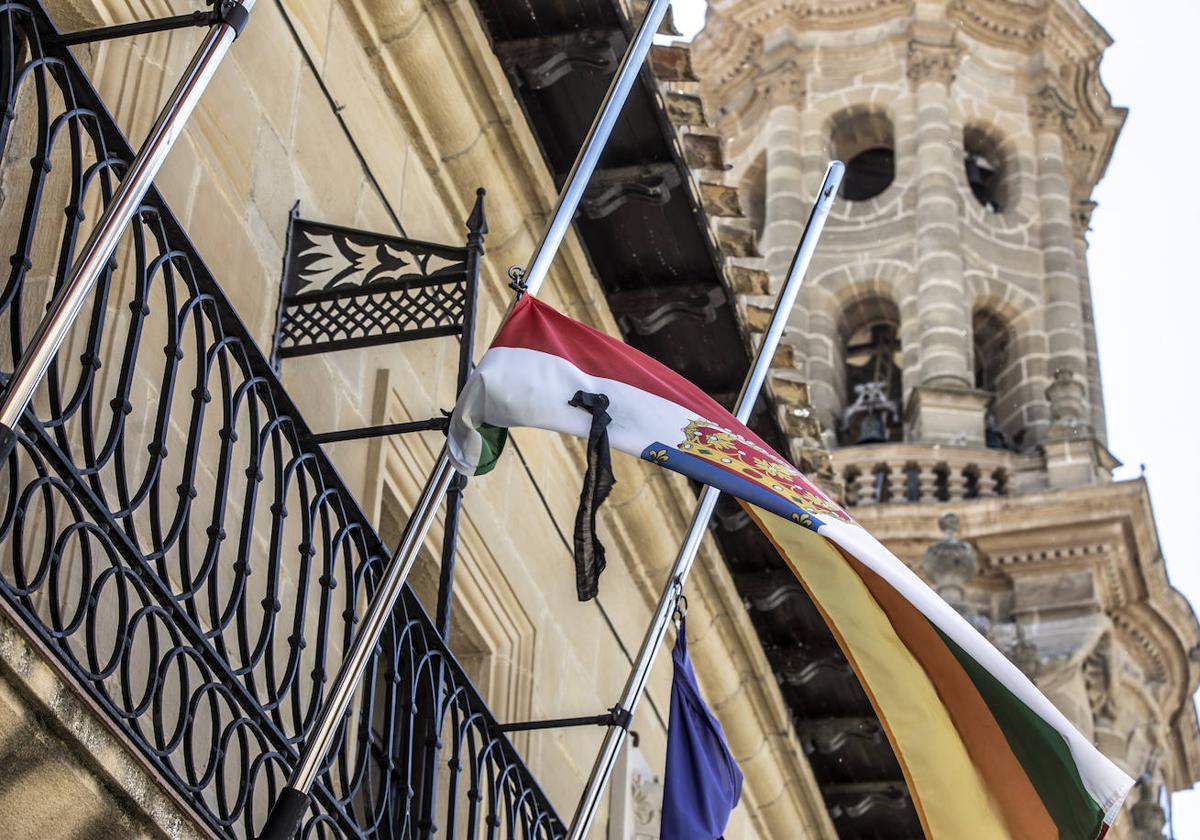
724, 458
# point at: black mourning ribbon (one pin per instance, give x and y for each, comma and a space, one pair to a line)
598, 482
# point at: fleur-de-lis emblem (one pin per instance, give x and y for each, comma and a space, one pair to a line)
802, 519
659, 456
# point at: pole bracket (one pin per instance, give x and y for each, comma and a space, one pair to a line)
234, 15
141, 27
621, 717
437, 424
616, 716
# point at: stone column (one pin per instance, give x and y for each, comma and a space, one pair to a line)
1070, 450
1064, 310
1081, 217
822, 355
944, 407
786, 205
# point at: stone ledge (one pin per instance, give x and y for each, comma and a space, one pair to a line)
75, 769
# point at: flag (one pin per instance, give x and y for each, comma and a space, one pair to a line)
541, 360
702, 782
984, 753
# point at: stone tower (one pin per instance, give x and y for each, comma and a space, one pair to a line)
945, 332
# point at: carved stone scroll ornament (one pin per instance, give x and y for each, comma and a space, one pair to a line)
1098, 680
799, 666
1050, 111
830, 736
646, 312
540, 62
932, 62
610, 189
893, 799
781, 83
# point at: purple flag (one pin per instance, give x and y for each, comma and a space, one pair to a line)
702, 782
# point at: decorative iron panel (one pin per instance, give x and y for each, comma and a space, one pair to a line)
345, 288
170, 533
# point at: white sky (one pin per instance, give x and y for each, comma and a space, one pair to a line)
1146, 292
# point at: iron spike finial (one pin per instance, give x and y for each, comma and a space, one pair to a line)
477, 221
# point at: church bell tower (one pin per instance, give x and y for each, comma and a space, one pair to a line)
945, 331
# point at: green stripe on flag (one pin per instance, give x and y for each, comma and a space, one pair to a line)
493, 439
1041, 750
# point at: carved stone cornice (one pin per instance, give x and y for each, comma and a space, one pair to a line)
731, 49
929, 62
1004, 23
814, 14
1074, 105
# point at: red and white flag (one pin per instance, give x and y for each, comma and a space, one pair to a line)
541, 359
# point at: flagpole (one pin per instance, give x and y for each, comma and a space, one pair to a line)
288, 810
98, 248
635, 686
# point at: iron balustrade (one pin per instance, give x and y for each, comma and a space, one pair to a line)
172, 535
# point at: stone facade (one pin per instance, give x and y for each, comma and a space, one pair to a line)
387, 116
952, 280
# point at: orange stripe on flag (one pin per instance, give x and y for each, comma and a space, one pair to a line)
1002, 773
947, 788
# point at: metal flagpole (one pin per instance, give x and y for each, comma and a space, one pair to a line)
635, 686
288, 810
128, 197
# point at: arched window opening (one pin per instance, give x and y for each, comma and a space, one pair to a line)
985, 169
871, 356
991, 349
865, 141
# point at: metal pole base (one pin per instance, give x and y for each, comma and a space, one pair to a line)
286, 815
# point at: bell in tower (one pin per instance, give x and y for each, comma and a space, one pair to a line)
872, 366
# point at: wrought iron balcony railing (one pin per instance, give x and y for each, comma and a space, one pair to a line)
169, 530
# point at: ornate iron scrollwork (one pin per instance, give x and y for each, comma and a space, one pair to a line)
346, 289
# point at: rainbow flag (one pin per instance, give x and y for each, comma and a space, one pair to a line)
985, 754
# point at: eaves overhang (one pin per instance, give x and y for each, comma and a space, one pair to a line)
651, 244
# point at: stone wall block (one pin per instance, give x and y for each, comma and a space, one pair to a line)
265, 51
